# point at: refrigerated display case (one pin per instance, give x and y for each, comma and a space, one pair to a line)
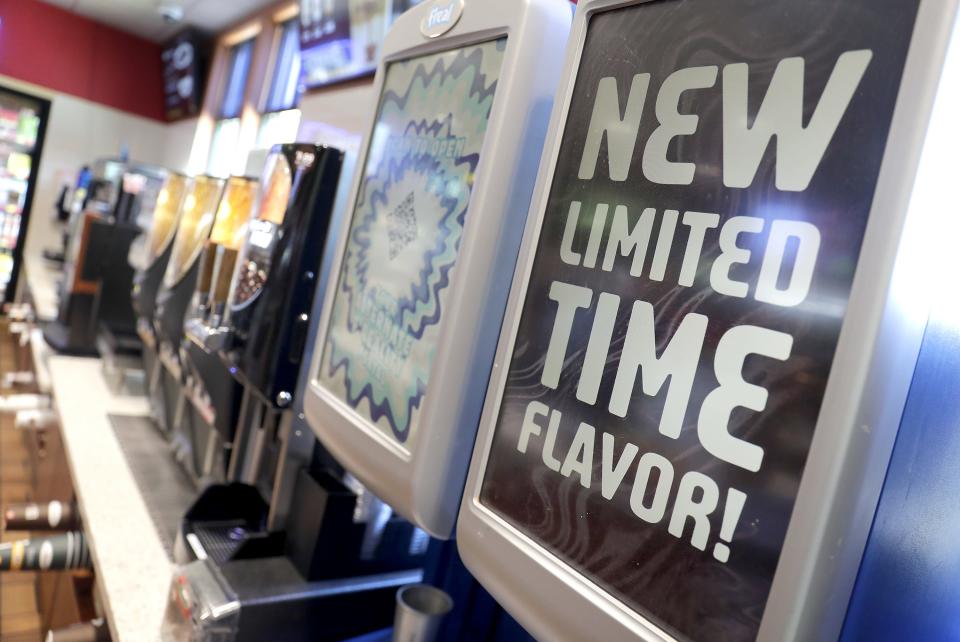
23, 120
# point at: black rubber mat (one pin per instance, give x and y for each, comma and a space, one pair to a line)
165, 488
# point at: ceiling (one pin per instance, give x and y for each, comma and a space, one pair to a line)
142, 17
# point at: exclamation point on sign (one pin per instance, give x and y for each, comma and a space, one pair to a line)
731, 515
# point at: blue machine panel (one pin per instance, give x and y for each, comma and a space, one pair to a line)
909, 582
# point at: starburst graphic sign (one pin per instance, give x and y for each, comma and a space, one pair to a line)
406, 231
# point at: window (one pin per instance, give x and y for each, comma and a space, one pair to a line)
239, 69
226, 133
280, 118
278, 127
285, 85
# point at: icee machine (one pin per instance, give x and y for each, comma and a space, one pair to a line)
284, 542
421, 275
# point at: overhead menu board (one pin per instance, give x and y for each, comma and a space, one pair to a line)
676, 320
184, 61
341, 39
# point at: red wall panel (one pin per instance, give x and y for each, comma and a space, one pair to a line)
47, 46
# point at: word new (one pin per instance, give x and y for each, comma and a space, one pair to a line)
799, 148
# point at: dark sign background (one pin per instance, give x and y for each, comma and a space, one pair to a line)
666, 579
184, 66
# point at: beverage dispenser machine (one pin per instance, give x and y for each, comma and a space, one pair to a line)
423, 268
177, 290
212, 395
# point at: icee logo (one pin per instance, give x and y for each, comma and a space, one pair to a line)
441, 17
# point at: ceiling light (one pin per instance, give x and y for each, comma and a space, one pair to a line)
172, 13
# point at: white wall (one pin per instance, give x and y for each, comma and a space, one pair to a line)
78, 132
349, 107
178, 145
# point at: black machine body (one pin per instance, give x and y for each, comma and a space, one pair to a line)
183, 270
160, 240
96, 292
276, 277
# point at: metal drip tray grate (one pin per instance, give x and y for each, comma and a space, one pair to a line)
221, 540
165, 488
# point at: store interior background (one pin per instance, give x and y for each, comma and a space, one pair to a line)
100, 64
106, 90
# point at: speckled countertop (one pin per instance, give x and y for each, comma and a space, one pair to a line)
133, 571
41, 279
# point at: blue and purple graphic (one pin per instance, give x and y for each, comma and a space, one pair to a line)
405, 233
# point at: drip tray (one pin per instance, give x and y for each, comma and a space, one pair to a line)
220, 540
164, 486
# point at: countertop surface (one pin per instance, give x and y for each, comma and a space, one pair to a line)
133, 571
41, 355
42, 277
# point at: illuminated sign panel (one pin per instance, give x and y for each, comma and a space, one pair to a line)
698, 246
406, 232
